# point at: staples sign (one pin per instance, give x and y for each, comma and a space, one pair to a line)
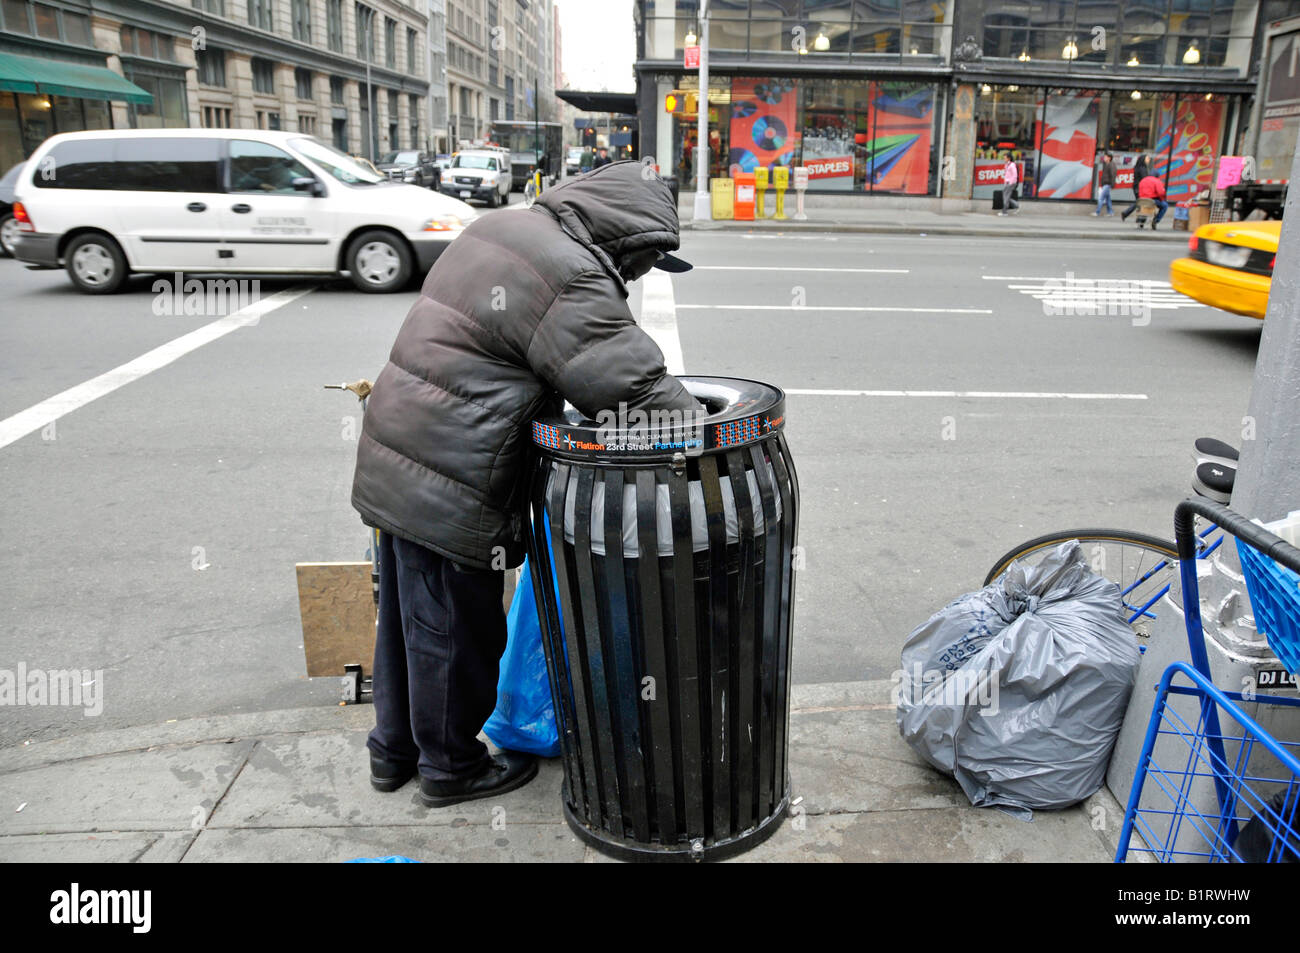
829, 168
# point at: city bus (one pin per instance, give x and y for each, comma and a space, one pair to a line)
526, 142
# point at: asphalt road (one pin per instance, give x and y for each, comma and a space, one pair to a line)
153, 533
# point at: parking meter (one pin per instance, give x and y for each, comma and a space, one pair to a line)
800, 187
760, 187
781, 181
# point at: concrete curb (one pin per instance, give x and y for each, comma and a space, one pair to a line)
805, 699
1134, 235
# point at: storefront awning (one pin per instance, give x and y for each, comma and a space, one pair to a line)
623, 104
26, 74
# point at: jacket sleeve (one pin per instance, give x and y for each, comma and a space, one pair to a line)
588, 347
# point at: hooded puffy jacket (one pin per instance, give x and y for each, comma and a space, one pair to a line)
522, 309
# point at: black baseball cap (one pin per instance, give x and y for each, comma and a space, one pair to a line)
672, 263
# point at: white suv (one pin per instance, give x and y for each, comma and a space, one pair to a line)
482, 174
104, 204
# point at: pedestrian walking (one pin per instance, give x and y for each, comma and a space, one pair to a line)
1153, 187
1010, 183
1105, 181
519, 314
1139, 173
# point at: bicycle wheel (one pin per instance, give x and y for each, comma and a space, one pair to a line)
1144, 567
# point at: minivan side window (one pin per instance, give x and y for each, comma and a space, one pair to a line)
168, 165
77, 164
138, 165
259, 167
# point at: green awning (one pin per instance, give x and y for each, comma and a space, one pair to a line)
26, 74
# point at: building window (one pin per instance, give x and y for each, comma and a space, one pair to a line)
337, 86
259, 14
168, 107
216, 117
390, 43
302, 20
412, 44
17, 16
365, 31
263, 76
76, 29
334, 24
138, 42
340, 130
307, 124
211, 65
302, 83
210, 6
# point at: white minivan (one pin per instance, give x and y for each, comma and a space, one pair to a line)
107, 203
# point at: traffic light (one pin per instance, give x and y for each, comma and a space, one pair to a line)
692, 106
672, 102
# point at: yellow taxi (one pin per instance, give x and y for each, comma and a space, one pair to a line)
1229, 265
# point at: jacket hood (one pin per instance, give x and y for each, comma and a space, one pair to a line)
616, 210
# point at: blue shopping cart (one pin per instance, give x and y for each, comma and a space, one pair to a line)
1200, 734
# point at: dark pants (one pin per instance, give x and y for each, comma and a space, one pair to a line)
441, 634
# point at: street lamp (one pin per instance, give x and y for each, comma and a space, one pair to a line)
1071, 50
1135, 95
1192, 56
1024, 56
1133, 60
691, 38
822, 43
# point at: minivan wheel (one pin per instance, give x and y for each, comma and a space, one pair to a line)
378, 262
8, 235
95, 264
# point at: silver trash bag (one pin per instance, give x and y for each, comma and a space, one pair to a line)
1018, 690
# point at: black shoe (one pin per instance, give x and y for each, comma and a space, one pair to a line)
389, 775
508, 770
1123, 216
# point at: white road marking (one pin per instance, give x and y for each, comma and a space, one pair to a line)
51, 409
811, 307
659, 318
784, 268
1072, 295
1027, 395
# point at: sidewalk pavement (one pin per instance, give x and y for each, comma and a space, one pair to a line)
294, 786
1033, 221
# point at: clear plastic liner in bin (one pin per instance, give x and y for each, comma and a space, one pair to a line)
663, 514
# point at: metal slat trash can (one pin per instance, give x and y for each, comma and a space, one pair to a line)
662, 558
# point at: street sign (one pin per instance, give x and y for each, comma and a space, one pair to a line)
692, 57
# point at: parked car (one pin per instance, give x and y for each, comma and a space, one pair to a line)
482, 174
8, 224
573, 160
411, 167
241, 201
1229, 265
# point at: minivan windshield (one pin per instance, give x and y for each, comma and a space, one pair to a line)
473, 162
338, 164
401, 158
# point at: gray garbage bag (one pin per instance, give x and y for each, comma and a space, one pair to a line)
1018, 690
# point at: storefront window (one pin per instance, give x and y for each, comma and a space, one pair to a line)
11, 150
852, 135
1006, 127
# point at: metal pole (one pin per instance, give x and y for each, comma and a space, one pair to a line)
537, 143
703, 209
1268, 481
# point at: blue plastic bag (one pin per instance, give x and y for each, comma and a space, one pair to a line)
524, 719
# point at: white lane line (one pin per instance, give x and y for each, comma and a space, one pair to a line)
812, 307
51, 409
784, 268
659, 318
1027, 395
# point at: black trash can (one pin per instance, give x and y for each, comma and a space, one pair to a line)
662, 560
